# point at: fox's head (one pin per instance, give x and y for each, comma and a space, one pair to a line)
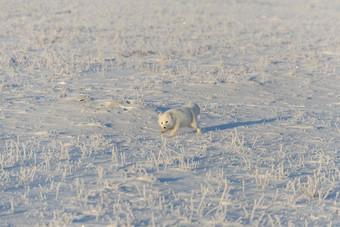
165, 120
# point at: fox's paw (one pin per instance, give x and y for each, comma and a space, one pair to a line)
198, 131
162, 131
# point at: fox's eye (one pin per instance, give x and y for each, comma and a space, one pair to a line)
161, 123
166, 122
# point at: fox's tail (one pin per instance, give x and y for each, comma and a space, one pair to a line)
195, 108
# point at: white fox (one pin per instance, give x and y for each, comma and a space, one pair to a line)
178, 118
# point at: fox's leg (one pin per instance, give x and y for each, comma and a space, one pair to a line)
173, 131
195, 124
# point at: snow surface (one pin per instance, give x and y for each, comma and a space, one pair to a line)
82, 83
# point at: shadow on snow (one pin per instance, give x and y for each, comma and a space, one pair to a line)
237, 124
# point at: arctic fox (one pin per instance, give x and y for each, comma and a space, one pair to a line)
178, 118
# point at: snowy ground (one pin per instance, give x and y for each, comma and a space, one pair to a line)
82, 83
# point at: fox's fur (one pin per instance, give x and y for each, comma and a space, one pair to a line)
174, 119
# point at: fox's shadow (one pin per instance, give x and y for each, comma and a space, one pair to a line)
237, 124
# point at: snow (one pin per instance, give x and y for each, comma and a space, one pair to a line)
82, 84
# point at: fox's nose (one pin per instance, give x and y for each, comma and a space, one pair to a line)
164, 127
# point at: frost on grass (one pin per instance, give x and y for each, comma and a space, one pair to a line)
82, 85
